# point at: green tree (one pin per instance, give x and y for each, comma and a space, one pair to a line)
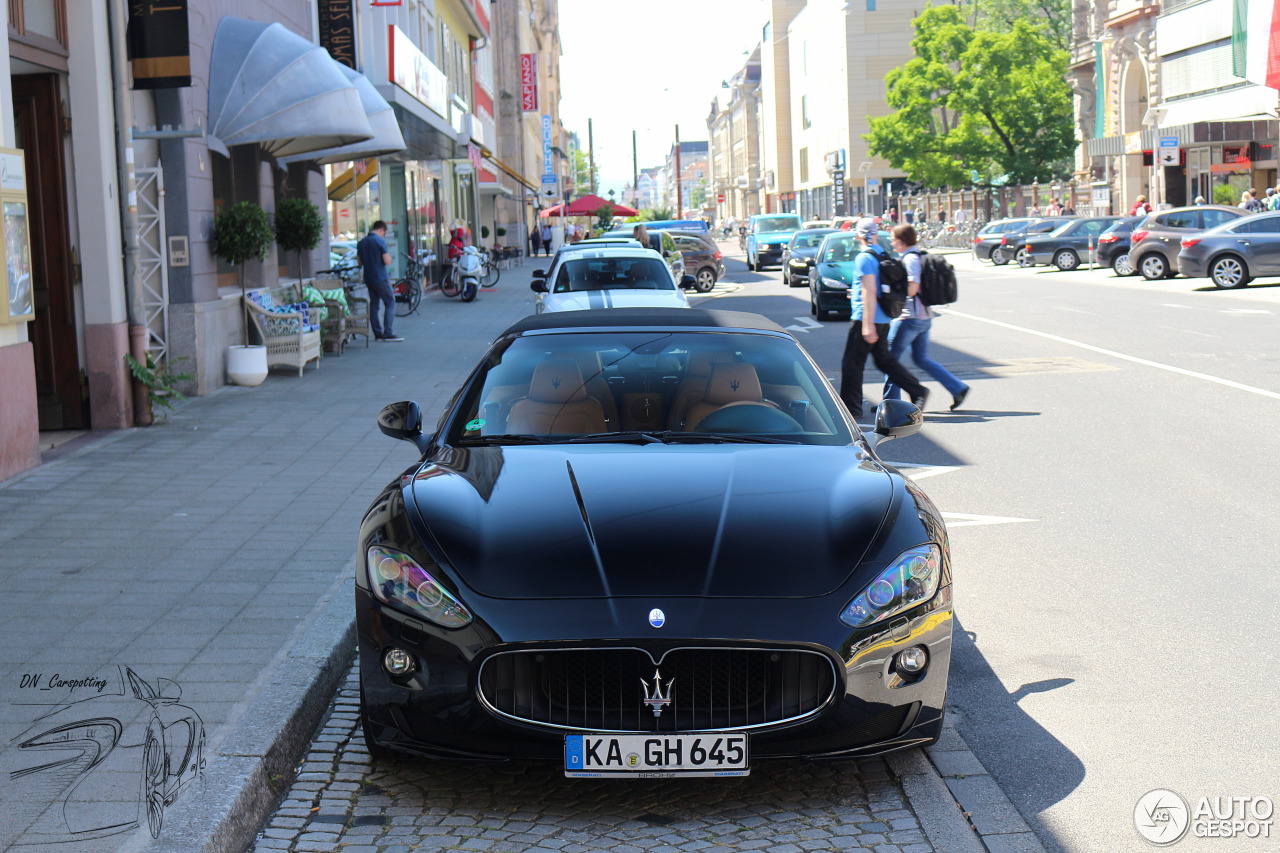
999, 16
241, 232
298, 227
976, 102
582, 173
655, 214
604, 217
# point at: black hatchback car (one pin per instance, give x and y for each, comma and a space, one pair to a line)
650, 541
1113, 245
1013, 243
799, 256
988, 240
702, 258
1070, 244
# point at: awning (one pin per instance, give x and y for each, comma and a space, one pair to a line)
512, 172
345, 185
1250, 102
386, 130
272, 87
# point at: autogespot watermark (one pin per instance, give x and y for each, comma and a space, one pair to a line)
1163, 817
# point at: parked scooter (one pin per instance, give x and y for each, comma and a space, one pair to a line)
468, 268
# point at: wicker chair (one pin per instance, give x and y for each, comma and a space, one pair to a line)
284, 336
358, 319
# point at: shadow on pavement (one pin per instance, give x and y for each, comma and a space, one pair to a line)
1006, 739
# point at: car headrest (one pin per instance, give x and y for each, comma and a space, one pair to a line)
589, 363
733, 383
700, 361
557, 382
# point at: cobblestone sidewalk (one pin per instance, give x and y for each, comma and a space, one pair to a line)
341, 801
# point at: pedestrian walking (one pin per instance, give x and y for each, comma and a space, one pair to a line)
910, 330
641, 235
546, 239
1199, 199
1067, 209
868, 334
374, 257
1252, 203
535, 238
1054, 209
1140, 206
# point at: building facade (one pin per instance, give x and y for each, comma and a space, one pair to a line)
733, 128
775, 107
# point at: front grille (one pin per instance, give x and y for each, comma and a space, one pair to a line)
710, 688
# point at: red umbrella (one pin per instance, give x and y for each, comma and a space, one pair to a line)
587, 206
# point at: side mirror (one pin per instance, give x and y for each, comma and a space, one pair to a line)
538, 285
169, 691
403, 420
897, 419
688, 281
539, 273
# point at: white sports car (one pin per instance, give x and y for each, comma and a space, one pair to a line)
610, 277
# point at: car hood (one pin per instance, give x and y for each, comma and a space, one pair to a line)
653, 520
841, 272
804, 252
587, 299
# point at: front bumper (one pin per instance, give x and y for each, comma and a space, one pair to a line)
438, 711
830, 297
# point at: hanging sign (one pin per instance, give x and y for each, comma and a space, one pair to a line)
338, 30
529, 82
158, 47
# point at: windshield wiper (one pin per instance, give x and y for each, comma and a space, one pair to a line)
668, 436
506, 438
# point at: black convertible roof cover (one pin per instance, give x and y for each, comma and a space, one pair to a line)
683, 318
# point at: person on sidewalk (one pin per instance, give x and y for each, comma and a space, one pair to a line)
374, 257
535, 238
546, 239
911, 328
870, 328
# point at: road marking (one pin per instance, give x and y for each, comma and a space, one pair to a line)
808, 324
919, 471
1176, 305
1239, 386
1245, 311
1186, 331
964, 519
1076, 310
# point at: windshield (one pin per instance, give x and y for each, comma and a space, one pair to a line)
842, 246
631, 273
807, 241
777, 223
643, 387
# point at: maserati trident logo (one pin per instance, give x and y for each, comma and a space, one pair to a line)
734, 384
655, 698
657, 618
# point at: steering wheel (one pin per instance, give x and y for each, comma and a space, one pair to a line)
748, 417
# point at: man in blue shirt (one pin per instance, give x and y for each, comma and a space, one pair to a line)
869, 331
374, 257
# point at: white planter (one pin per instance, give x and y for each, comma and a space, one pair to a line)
247, 365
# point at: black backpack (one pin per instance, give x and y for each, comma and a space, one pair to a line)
937, 280
893, 285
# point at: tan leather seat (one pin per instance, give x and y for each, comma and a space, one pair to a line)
729, 384
694, 385
557, 403
597, 387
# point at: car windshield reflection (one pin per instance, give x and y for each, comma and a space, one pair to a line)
648, 387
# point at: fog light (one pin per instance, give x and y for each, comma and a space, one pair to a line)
913, 660
397, 662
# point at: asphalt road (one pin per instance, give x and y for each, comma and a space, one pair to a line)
1112, 492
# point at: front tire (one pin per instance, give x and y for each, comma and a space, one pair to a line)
469, 290
1153, 266
998, 258
412, 296
1066, 260
1021, 257
1228, 273
154, 776
706, 280
1120, 265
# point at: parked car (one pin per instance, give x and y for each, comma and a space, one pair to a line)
1013, 243
1155, 246
702, 258
816, 223
609, 277
676, 225
988, 239
661, 242
1113, 244
1070, 244
1233, 254
767, 235
832, 275
798, 256
650, 541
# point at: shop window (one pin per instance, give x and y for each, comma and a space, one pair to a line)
804, 165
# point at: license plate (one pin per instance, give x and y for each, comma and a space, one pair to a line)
655, 756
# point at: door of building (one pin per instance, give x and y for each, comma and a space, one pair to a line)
38, 129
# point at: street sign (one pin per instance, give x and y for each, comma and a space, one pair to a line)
720, 198
1170, 155
837, 194
873, 186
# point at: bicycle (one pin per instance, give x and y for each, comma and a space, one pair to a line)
490, 272
408, 290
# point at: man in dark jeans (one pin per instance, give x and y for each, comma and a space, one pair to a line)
869, 331
373, 257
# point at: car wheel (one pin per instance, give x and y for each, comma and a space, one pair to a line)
1066, 260
1153, 266
751, 264
706, 280
998, 258
1021, 257
153, 781
1121, 266
1228, 273
813, 306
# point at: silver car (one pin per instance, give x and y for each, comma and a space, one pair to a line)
1233, 254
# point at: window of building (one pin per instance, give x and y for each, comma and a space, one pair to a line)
804, 165
804, 111
871, 5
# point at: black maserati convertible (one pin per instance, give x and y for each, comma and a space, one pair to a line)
651, 542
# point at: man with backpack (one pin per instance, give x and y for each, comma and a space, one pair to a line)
875, 274
911, 327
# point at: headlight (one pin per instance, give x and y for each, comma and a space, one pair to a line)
396, 578
912, 579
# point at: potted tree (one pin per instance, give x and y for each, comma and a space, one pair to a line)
298, 228
241, 232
